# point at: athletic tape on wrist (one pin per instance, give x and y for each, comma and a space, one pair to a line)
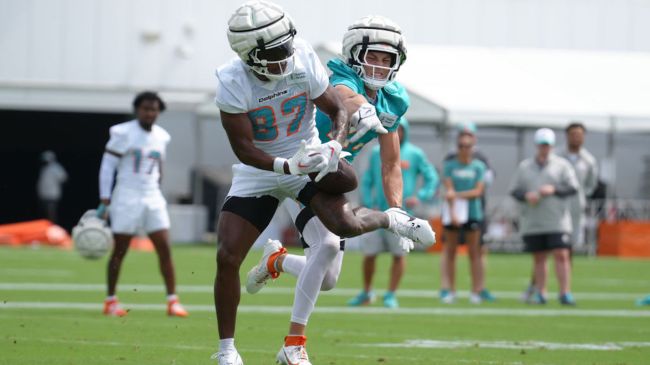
278, 165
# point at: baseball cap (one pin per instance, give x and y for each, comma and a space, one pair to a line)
545, 136
466, 127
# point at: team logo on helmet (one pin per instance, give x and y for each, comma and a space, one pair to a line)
374, 34
261, 33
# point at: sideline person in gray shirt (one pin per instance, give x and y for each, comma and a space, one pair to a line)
541, 184
586, 169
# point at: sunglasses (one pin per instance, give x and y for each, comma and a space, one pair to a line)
463, 146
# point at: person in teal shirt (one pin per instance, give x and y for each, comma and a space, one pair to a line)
464, 184
414, 164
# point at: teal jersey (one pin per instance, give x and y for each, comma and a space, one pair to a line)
465, 177
391, 104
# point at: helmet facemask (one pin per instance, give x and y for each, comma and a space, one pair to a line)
273, 60
375, 76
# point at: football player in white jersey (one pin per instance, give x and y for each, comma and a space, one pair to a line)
266, 99
136, 149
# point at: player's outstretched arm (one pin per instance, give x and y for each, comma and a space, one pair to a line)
391, 171
362, 115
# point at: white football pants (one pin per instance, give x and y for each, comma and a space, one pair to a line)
318, 270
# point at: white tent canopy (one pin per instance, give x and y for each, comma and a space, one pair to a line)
531, 87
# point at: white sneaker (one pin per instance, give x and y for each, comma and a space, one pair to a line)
475, 298
449, 298
227, 358
260, 274
292, 355
406, 225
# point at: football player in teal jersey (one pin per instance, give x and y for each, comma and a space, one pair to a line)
373, 52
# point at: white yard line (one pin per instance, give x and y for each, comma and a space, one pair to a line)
509, 312
511, 345
342, 292
38, 273
243, 350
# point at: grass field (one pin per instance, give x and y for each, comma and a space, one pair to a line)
50, 303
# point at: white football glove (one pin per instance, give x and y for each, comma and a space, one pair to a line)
406, 244
364, 120
332, 151
307, 159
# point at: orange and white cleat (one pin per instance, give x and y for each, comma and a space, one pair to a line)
293, 352
112, 308
175, 309
260, 274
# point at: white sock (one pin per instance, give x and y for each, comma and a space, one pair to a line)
227, 345
293, 264
172, 297
111, 297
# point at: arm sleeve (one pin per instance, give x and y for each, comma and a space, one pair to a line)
430, 177
368, 181
107, 175
519, 194
563, 192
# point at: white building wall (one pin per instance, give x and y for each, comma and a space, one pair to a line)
167, 44
93, 55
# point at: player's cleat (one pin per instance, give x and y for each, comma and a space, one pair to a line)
528, 294
567, 299
363, 298
175, 309
537, 298
112, 308
406, 225
475, 298
447, 296
264, 270
390, 300
486, 296
643, 301
227, 358
293, 352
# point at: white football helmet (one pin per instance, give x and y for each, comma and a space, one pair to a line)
374, 33
261, 33
91, 236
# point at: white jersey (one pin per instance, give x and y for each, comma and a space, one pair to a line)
281, 112
142, 153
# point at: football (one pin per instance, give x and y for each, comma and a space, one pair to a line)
342, 181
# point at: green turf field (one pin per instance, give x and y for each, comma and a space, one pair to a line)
50, 303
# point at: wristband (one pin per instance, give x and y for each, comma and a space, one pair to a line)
278, 165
